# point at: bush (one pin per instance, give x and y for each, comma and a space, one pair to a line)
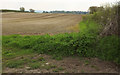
108, 48
62, 44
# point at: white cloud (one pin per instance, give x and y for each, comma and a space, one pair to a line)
82, 5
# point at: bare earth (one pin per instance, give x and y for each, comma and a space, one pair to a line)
68, 65
36, 23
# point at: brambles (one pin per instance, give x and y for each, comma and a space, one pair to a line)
84, 45
58, 45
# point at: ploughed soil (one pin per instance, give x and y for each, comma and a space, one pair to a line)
39, 23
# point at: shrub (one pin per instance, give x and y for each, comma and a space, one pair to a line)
85, 45
108, 48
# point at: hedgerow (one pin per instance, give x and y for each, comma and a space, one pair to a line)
63, 44
73, 44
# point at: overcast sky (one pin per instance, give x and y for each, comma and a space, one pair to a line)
71, 5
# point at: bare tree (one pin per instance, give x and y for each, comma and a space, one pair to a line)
32, 10
22, 9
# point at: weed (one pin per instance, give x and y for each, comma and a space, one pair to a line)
57, 57
81, 58
41, 59
60, 68
53, 66
87, 62
15, 63
58, 46
95, 67
66, 72
55, 70
50, 67
47, 67
82, 71
34, 60
35, 65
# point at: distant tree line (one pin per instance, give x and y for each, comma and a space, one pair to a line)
6, 10
22, 9
72, 12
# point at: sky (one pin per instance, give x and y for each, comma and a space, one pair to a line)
49, 5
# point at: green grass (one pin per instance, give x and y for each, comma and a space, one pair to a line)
57, 45
87, 62
83, 45
55, 70
90, 27
50, 67
15, 63
86, 43
57, 57
82, 71
9, 53
108, 48
58, 69
41, 65
41, 59
35, 65
95, 67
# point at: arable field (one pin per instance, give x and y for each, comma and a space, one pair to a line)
79, 52
36, 23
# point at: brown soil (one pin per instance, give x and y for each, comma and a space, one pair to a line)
36, 23
70, 65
